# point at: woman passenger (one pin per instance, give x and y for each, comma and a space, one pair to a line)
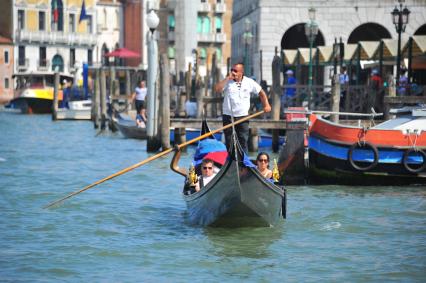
262, 162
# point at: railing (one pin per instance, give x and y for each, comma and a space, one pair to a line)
43, 64
171, 4
171, 35
22, 64
56, 37
205, 37
220, 37
220, 8
204, 7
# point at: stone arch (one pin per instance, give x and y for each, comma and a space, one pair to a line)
295, 37
57, 63
368, 32
421, 30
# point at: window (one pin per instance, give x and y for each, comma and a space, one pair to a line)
41, 20
105, 19
90, 57
172, 23
42, 56
71, 23
218, 55
57, 16
89, 24
171, 52
6, 57
206, 25
199, 24
117, 20
6, 83
203, 55
21, 19
21, 55
218, 24
72, 57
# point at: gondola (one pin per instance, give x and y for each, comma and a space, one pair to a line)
128, 127
237, 196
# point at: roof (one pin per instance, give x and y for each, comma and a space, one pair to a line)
5, 40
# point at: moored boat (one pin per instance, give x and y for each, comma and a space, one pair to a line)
34, 92
128, 127
392, 152
237, 196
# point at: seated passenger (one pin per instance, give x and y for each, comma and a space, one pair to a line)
262, 162
207, 174
140, 121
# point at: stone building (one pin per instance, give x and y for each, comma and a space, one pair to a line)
6, 69
48, 35
281, 24
203, 26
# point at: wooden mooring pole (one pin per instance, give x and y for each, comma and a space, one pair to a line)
276, 103
164, 102
55, 97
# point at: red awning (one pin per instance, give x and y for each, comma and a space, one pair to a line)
123, 53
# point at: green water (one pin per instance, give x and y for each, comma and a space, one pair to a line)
133, 228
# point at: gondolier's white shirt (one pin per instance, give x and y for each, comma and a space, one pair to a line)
237, 96
141, 93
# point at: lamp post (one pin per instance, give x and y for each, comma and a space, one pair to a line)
400, 20
311, 31
153, 143
247, 36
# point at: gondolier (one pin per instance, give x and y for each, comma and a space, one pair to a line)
237, 90
139, 98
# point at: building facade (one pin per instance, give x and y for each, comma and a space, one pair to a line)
49, 36
6, 69
280, 24
193, 27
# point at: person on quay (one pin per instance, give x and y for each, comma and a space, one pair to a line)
403, 83
237, 90
287, 98
262, 162
207, 174
344, 83
138, 97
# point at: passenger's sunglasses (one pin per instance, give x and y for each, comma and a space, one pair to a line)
263, 160
205, 168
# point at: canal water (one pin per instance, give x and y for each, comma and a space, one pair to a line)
133, 228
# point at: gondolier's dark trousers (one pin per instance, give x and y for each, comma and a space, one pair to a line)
242, 131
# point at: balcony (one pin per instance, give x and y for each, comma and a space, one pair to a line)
56, 37
171, 4
205, 37
204, 8
71, 66
22, 64
43, 65
221, 37
171, 36
220, 8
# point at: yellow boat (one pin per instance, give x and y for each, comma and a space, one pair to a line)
34, 92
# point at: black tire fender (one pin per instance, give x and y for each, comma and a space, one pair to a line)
405, 160
365, 145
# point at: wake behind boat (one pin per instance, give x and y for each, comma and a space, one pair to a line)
237, 196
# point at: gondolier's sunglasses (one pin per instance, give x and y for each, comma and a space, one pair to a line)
205, 168
234, 70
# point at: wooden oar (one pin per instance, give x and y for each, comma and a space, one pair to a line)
167, 151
